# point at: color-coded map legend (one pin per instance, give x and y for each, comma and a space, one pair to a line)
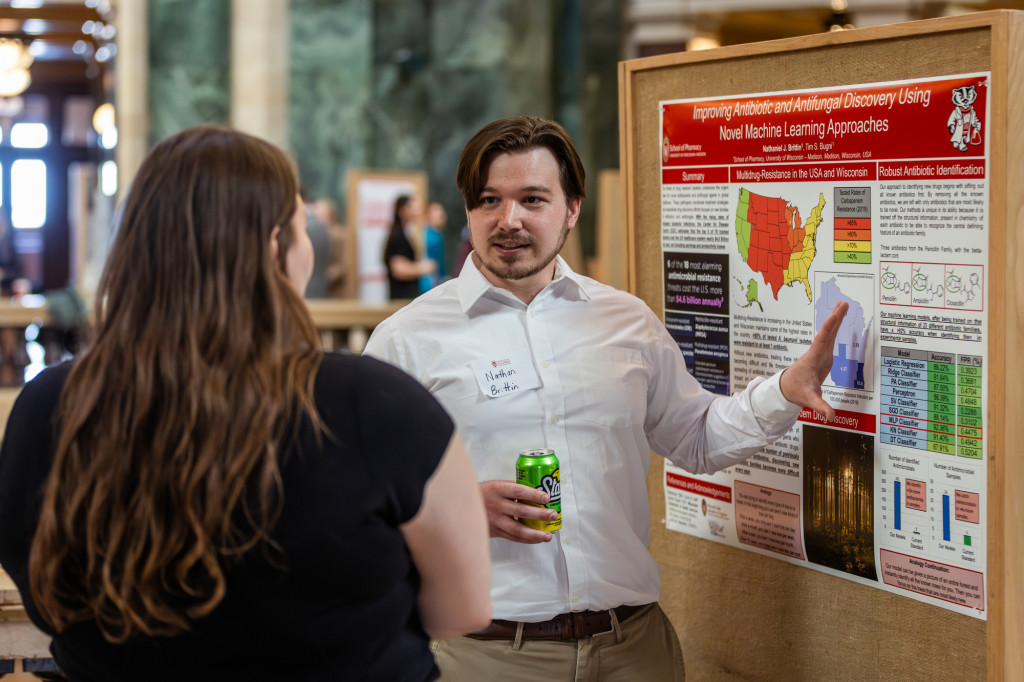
852, 224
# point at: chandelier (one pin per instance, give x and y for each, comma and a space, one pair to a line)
15, 61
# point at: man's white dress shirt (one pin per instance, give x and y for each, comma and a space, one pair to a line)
607, 385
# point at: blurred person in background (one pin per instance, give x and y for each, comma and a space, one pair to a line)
433, 242
404, 269
319, 237
327, 211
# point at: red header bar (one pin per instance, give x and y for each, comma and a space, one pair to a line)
699, 487
836, 172
936, 170
927, 119
854, 421
689, 176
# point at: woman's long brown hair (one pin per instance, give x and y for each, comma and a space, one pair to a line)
204, 357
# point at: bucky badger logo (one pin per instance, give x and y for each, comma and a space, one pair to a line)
964, 124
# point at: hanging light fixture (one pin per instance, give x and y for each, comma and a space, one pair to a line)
15, 61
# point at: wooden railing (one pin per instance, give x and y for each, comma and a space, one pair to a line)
343, 323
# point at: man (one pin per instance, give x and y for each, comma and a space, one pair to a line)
526, 354
318, 235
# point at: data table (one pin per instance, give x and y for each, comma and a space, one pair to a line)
932, 401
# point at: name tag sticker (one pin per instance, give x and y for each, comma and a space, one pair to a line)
505, 374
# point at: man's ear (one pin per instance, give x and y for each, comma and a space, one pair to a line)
573, 213
275, 247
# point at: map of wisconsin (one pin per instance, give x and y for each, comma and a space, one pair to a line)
772, 240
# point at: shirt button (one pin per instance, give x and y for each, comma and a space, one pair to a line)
569, 541
575, 599
554, 420
533, 313
545, 363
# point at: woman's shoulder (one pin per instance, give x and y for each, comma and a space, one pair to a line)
42, 393
362, 374
375, 386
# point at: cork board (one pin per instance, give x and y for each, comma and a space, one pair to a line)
742, 616
609, 262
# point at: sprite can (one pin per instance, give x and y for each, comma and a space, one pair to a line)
539, 469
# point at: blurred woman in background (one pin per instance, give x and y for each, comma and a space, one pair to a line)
404, 270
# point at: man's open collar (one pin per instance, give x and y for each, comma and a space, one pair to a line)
473, 285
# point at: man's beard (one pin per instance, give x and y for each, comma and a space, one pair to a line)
515, 270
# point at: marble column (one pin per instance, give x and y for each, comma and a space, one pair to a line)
190, 64
329, 90
259, 68
588, 47
131, 85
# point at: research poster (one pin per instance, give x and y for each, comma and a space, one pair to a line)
775, 207
375, 209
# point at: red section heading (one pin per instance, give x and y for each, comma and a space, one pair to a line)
699, 487
854, 421
933, 119
938, 170
683, 176
804, 172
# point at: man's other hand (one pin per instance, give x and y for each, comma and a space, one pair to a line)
504, 501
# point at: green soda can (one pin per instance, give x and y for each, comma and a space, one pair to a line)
539, 469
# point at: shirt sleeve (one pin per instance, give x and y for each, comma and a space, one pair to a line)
406, 431
703, 433
383, 346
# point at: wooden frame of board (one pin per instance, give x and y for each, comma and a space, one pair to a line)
740, 615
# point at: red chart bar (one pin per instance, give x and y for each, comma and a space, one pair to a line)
843, 234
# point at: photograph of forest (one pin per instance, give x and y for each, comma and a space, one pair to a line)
839, 500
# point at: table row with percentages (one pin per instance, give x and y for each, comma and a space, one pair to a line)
932, 401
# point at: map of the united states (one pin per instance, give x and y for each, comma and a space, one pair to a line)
774, 242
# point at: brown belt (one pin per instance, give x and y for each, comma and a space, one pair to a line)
565, 626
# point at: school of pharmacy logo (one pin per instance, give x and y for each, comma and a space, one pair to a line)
664, 150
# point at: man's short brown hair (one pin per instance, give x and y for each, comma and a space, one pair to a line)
519, 134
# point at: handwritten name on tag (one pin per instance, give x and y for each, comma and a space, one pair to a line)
505, 374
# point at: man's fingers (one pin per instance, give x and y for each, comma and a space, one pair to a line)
514, 491
529, 511
510, 529
823, 409
830, 327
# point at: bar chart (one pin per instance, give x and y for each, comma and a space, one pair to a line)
932, 506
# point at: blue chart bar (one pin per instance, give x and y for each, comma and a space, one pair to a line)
945, 518
898, 504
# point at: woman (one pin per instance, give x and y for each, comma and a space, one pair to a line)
404, 271
205, 495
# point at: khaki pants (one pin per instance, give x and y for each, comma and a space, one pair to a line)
645, 648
